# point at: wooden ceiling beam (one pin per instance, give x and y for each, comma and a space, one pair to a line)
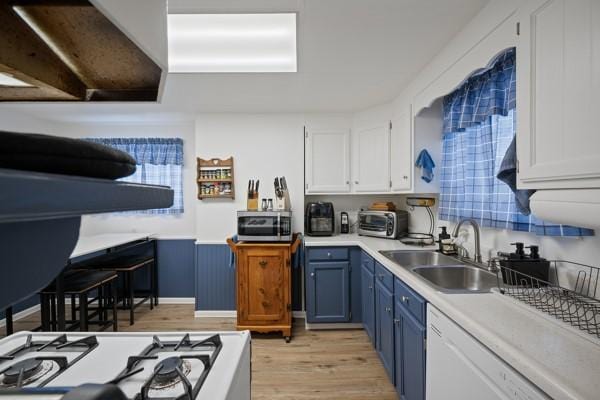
25, 55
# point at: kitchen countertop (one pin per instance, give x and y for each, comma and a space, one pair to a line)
561, 361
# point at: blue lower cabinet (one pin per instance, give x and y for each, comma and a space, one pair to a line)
368, 301
328, 292
384, 322
409, 354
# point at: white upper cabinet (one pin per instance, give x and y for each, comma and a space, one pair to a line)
371, 159
558, 81
327, 161
401, 151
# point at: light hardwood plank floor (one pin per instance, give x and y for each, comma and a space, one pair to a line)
338, 364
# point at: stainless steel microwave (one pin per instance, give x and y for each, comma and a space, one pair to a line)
264, 226
383, 224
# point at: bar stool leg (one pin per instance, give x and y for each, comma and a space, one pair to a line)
73, 308
83, 312
113, 291
45, 312
8, 315
130, 279
151, 295
155, 269
125, 289
53, 312
101, 307
60, 302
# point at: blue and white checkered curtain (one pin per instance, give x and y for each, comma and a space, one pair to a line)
159, 162
491, 91
469, 187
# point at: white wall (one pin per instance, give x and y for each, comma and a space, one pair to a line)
164, 226
15, 121
263, 146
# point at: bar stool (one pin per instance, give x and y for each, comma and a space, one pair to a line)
126, 266
79, 285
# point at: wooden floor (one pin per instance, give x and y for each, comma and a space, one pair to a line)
315, 365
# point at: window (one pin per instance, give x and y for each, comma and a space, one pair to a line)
479, 130
159, 162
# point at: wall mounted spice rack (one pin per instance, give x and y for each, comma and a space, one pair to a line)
215, 178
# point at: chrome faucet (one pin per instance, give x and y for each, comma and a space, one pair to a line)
475, 225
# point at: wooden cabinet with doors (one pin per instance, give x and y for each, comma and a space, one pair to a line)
558, 69
264, 286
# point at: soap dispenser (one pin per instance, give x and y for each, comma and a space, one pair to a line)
445, 242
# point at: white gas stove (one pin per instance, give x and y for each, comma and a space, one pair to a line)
126, 366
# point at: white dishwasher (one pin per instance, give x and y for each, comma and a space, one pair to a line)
461, 368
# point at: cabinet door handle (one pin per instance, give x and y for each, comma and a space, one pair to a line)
388, 309
405, 177
347, 182
312, 274
356, 182
396, 321
328, 255
370, 287
404, 299
262, 263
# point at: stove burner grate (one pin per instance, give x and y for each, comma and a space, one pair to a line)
30, 370
172, 370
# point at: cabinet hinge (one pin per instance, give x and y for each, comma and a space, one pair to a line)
390, 125
390, 183
517, 166
307, 185
289, 307
518, 28
350, 314
287, 262
425, 343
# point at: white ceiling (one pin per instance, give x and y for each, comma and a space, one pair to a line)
352, 54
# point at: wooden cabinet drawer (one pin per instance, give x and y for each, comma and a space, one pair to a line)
367, 261
328, 253
384, 276
410, 300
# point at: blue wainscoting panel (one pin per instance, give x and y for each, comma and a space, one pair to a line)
176, 267
215, 278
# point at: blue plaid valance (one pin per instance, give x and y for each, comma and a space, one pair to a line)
156, 151
490, 91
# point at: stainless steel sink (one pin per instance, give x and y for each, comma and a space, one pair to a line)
409, 259
444, 273
463, 278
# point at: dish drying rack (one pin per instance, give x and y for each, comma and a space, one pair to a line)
577, 305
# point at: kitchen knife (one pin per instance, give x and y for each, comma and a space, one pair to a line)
284, 183
249, 188
257, 183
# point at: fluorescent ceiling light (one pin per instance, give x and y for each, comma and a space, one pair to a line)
9, 80
232, 42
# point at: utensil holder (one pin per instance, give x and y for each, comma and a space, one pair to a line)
252, 204
283, 203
